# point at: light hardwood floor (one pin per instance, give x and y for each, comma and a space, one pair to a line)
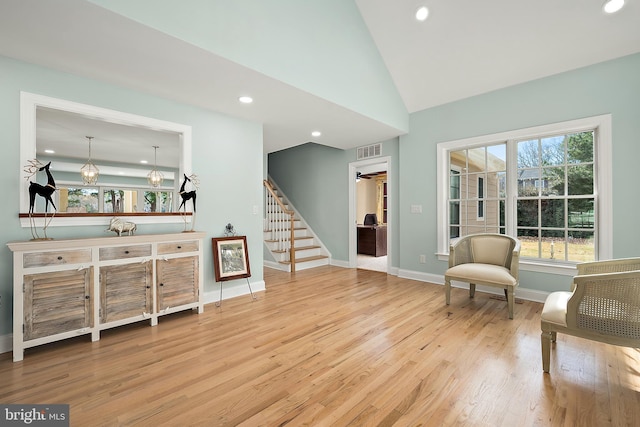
333, 347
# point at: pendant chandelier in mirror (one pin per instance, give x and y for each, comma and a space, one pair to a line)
89, 172
155, 177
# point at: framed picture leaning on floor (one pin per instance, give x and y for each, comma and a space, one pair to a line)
230, 258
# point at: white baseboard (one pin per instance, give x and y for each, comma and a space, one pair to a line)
339, 263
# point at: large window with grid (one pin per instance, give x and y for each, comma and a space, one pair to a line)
549, 186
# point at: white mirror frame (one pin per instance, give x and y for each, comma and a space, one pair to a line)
29, 102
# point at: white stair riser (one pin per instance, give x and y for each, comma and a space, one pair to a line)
268, 225
302, 253
274, 246
270, 235
311, 264
303, 265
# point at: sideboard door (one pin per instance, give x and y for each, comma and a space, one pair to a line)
57, 302
178, 281
125, 291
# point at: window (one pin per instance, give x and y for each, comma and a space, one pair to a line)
550, 186
476, 190
556, 215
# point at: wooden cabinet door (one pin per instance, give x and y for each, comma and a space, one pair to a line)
178, 281
125, 291
57, 302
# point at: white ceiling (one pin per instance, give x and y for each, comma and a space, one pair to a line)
470, 47
465, 48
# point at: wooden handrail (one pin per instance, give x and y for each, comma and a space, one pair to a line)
292, 249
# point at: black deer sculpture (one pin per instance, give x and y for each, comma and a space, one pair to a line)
189, 195
44, 191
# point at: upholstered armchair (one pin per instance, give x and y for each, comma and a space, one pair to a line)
484, 259
603, 305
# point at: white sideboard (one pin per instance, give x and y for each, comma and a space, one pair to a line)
66, 288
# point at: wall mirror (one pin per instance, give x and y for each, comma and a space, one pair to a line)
125, 148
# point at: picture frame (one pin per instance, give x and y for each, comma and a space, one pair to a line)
230, 258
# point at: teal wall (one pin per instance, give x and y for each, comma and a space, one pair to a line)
611, 87
329, 53
220, 144
315, 180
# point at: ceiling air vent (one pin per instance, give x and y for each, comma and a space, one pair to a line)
369, 151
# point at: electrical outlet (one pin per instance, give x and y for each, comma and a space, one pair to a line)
423, 259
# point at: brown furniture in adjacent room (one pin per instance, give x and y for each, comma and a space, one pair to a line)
372, 240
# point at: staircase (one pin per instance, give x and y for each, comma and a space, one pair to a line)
280, 217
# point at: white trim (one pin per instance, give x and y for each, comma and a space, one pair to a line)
603, 176
29, 102
353, 247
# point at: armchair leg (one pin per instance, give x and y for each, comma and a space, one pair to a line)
510, 300
472, 290
447, 290
545, 340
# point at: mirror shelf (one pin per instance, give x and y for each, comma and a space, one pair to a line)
67, 219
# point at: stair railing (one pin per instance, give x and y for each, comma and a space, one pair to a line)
276, 217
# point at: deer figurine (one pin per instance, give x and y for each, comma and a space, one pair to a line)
44, 191
189, 195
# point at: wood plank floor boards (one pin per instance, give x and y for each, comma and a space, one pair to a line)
333, 347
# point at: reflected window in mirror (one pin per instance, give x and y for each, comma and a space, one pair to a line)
113, 200
158, 201
78, 200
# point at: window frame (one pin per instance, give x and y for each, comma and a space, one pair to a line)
602, 184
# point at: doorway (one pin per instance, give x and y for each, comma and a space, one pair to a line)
370, 214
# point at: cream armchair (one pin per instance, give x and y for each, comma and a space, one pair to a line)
604, 305
484, 259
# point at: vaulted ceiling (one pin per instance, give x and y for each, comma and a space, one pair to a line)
353, 69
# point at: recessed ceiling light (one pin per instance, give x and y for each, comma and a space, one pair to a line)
245, 99
144, 162
612, 6
422, 13
48, 151
316, 133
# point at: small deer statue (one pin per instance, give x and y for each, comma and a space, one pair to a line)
189, 195
44, 191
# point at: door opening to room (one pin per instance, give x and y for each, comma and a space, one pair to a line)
372, 216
